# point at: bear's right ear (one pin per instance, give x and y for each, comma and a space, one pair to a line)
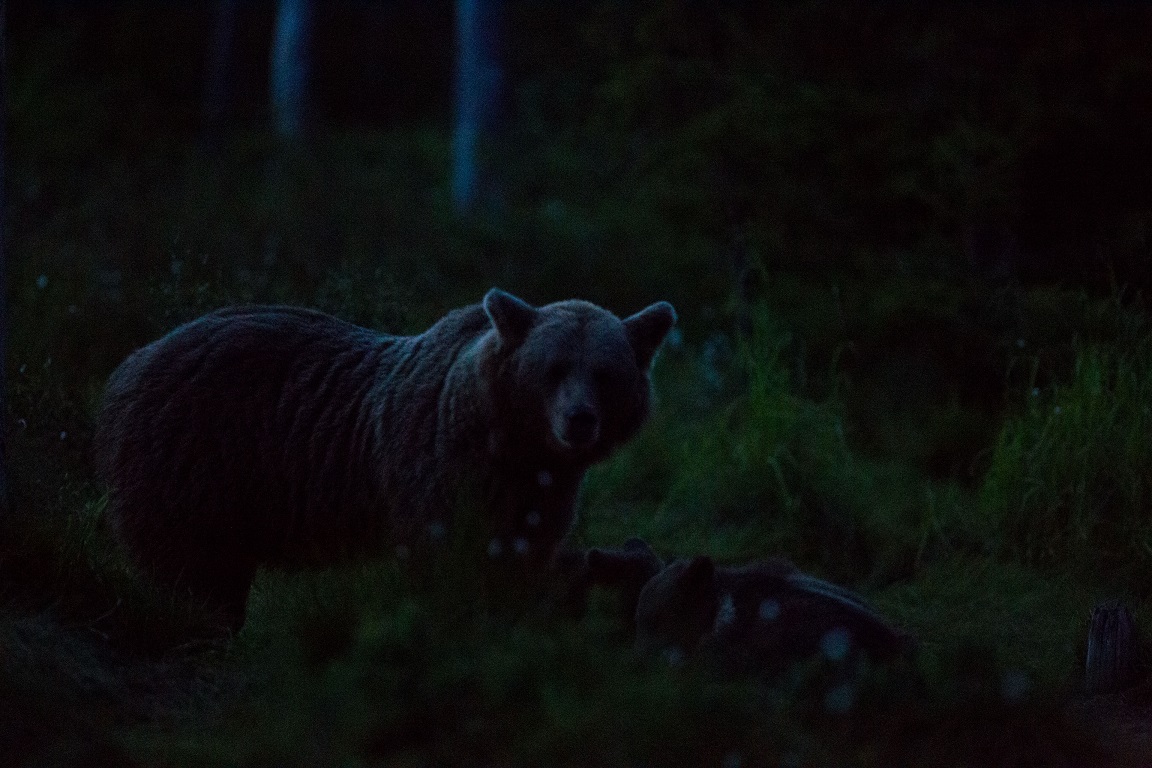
511, 317
646, 330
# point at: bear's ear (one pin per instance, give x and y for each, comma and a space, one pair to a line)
647, 328
699, 578
597, 560
605, 567
644, 554
631, 565
636, 544
512, 317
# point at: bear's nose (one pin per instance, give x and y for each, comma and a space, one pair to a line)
581, 428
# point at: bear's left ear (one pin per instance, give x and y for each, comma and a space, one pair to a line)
647, 328
512, 317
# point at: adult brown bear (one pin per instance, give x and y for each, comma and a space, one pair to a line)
281, 436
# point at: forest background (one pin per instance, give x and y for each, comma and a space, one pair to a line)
909, 248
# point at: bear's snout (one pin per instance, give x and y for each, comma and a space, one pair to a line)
575, 416
581, 428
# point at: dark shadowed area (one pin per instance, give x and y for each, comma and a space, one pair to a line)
909, 251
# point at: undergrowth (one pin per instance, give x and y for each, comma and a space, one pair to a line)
1070, 479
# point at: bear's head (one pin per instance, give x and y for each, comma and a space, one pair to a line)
574, 377
693, 600
628, 568
622, 571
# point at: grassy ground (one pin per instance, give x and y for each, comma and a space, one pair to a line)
853, 384
831, 428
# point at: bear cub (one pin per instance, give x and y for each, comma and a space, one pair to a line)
759, 618
620, 570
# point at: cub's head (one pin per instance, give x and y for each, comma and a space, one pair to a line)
628, 568
677, 608
575, 375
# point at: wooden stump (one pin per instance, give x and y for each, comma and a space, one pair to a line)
1111, 660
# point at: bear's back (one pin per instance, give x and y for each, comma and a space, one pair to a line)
234, 364
232, 432
780, 613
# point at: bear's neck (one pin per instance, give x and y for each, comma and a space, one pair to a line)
533, 504
528, 490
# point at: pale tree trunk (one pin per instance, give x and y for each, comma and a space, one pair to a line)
477, 94
289, 66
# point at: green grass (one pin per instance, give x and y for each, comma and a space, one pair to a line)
363, 666
745, 457
397, 677
1071, 476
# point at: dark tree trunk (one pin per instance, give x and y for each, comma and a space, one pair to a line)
1110, 662
218, 72
5, 500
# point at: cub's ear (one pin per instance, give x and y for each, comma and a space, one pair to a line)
644, 554
699, 578
633, 564
511, 317
637, 544
647, 328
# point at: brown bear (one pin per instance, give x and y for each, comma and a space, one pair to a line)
623, 570
759, 618
271, 435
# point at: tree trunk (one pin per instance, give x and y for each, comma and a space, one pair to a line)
1110, 664
289, 66
5, 500
478, 89
218, 72
289, 63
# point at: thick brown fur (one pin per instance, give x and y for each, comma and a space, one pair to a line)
281, 436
